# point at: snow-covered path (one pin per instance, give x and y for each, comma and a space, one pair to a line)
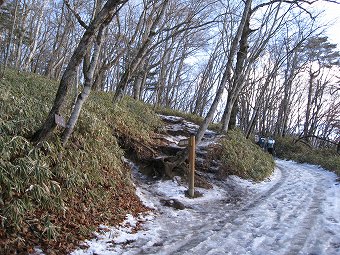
296, 211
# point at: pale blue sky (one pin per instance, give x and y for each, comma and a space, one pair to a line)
332, 15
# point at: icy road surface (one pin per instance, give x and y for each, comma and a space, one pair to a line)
296, 211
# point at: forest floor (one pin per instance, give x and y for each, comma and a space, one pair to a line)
294, 211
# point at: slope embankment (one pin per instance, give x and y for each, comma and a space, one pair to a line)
52, 196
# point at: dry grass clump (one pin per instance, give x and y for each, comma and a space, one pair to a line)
328, 158
243, 158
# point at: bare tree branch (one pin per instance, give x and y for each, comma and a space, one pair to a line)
314, 136
81, 22
297, 2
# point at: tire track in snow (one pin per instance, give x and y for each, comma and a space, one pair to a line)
230, 220
214, 228
310, 211
297, 208
183, 242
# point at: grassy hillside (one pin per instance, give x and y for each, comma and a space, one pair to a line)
287, 148
52, 196
243, 158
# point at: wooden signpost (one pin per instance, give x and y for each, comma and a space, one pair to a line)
191, 143
59, 120
192, 157
183, 142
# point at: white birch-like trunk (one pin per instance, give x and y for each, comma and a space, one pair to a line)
34, 45
11, 36
82, 97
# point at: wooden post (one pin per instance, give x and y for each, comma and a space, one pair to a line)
192, 156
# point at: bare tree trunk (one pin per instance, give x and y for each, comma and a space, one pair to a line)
164, 65
138, 85
99, 80
230, 112
76, 88
21, 37
312, 76
177, 76
252, 122
10, 37
33, 46
203, 88
139, 80
55, 59
233, 114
